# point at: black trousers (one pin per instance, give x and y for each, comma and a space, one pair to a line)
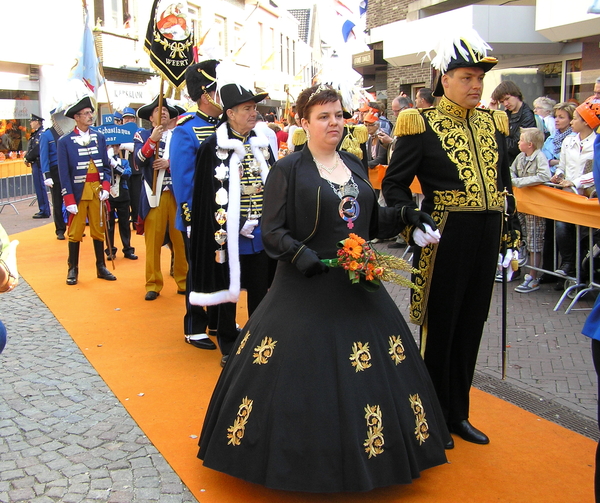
196, 319
121, 208
57, 202
135, 192
458, 305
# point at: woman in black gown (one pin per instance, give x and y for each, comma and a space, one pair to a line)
325, 390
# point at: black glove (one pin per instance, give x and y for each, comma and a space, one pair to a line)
309, 264
412, 216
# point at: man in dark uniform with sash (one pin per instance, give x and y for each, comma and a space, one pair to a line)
458, 153
49, 164
226, 245
84, 170
158, 210
32, 158
191, 131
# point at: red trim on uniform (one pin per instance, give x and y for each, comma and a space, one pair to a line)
148, 148
92, 177
69, 199
106, 185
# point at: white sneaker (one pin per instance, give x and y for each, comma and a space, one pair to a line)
529, 285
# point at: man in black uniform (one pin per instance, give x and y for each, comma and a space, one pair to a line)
32, 158
458, 153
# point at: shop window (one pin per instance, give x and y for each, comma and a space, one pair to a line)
573, 81
16, 108
114, 14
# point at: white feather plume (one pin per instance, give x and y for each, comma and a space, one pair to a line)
120, 102
344, 80
446, 47
72, 92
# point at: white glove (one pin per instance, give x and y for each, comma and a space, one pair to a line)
510, 262
48, 182
430, 237
248, 228
104, 195
110, 152
72, 208
188, 229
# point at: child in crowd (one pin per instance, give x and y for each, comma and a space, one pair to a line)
530, 167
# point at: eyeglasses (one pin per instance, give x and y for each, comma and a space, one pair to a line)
85, 114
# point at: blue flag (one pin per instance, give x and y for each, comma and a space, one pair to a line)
362, 7
347, 28
86, 67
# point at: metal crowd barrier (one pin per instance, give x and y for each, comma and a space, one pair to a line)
572, 208
16, 183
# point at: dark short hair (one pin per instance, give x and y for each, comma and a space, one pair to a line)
426, 94
504, 88
315, 95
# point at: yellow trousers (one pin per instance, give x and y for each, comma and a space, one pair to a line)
156, 224
86, 210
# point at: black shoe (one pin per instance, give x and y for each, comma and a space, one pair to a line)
224, 360
449, 444
72, 276
205, 343
60, 236
40, 215
396, 244
103, 273
151, 295
566, 269
468, 432
131, 256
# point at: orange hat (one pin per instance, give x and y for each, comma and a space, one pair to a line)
371, 117
364, 108
590, 112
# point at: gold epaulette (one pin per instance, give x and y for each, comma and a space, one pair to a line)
410, 122
299, 137
501, 121
351, 143
184, 119
360, 132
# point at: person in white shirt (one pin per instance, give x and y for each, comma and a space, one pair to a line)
574, 172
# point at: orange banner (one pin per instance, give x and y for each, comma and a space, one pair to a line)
557, 204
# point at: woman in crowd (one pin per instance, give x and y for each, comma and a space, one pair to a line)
544, 107
325, 390
563, 115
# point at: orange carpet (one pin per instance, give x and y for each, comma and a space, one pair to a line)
137, 347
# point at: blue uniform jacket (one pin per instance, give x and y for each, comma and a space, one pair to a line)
73, 162
145, 165
48, 152
190, 132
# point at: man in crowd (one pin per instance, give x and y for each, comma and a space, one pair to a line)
32, 158
191, 131
84, 170
424, 98
158, 208
226, 243
463, 183
49, 165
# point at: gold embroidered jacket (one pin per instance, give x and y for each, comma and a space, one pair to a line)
459, 157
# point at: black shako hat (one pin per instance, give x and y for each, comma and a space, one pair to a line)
85, 102
234, 94
146, 111
36, 118
466, 51
201, 77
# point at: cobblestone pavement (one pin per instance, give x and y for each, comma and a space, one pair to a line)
65, 437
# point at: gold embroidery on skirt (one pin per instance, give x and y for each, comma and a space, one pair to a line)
374, 442
236, 432
396, 349
422, 429
243, 343
264, 351
361, 356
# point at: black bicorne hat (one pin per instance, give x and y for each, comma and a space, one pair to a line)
201, 77
83, 103
146, 111
467, 51
234, 94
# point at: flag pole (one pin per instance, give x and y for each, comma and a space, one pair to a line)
160, 105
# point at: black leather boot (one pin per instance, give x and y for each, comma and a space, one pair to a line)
101, 270
73, 262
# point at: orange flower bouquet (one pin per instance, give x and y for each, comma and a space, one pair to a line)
368, 267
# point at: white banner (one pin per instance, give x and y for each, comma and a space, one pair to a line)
18, 109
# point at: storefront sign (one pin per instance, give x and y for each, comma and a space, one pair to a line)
363, 59
118, 134
18, 109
